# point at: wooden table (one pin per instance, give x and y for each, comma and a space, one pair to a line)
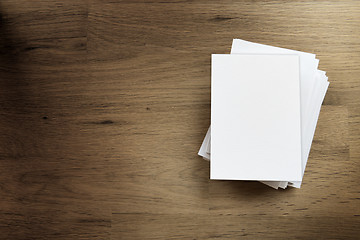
104, 106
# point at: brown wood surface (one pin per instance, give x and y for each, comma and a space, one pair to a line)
104, 105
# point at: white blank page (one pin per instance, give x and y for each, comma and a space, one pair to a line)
255, 117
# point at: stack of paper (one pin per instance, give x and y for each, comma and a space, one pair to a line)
265, 103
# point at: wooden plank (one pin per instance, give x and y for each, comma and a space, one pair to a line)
104, 105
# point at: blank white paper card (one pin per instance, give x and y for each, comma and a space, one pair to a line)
255, 117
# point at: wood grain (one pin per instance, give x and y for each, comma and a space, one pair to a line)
104, 105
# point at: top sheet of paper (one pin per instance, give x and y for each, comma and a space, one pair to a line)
255, 117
